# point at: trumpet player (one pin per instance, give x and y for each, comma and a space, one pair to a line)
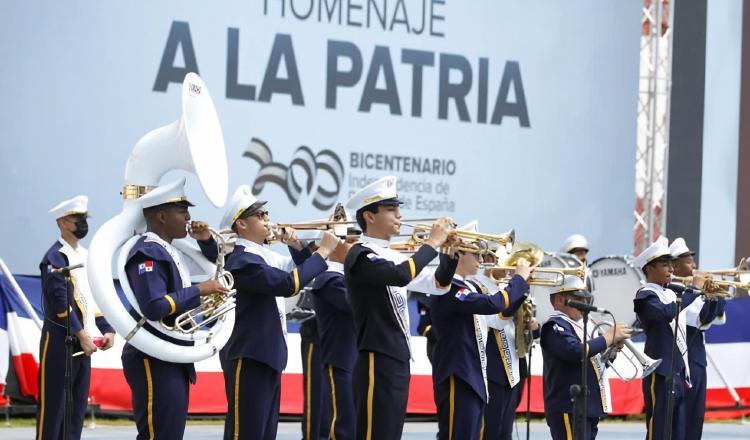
160, 282
700, 313
562, 351
376, 279
256, 352
71, 217
657, 307
459, 370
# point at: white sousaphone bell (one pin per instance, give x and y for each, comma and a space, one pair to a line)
193, 143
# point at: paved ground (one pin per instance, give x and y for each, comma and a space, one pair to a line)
412, 431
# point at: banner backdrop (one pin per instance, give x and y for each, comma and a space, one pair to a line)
519, 114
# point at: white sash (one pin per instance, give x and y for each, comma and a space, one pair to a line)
667, 296
480, 334
175, 254
600, 367
396, 295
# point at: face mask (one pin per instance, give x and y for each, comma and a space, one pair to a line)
82, 228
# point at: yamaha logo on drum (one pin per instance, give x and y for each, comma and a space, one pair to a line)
608, 272
313, 166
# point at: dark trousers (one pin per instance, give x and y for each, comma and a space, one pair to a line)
381, 389
51, 406
655, 395
561, 426
695, 402
460, 410
501, 410
253, 393
343, 416
315, 408
160, 394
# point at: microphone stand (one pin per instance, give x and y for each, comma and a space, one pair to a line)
528, 391
68, 386
672, 373
579, 393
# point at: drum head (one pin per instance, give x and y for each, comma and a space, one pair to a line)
615, 284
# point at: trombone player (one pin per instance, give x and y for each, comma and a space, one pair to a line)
562, 350
701, 311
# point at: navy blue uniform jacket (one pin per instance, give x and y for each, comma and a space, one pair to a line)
257, 332
333, 313
456, 350
562, 352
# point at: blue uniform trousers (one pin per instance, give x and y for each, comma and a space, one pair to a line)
561, 426
381, 389
51, 405
341, 400
160, 394
460, 409
695, 402
655, 396
501, 410
315, 409
253, 393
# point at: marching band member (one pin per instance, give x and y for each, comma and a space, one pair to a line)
657, 307
577, 245
505, 373
459, 370
256, 353
338, 341
71, 218
562, 350
377, 278
160, 281
700, 314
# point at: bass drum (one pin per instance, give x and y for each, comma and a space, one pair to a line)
541, 293
615, 284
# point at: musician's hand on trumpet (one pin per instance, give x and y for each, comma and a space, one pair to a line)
617, 335
699, 280
532, 324
212, 287
440, 232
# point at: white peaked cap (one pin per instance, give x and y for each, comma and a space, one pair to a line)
173, 192
575, 241
76, 205
242, 199
678, 248
377, 191
658, 249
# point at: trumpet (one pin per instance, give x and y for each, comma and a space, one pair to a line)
458, 241
636, 358
213, 307
714, 288
740, 272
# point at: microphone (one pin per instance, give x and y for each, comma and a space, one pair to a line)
67, 269
584, 307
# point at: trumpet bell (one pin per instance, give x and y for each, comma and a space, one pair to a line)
649, 366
